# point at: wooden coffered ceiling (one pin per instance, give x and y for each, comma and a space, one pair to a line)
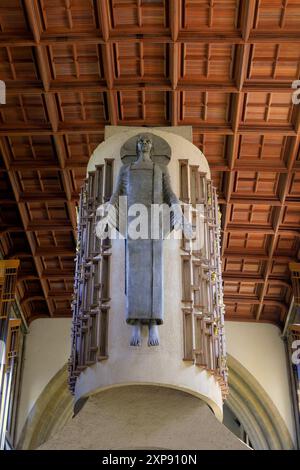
223, 66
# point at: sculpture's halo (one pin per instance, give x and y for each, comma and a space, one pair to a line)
161, 150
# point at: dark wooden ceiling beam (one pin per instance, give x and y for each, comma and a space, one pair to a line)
261, 200
238, 298
59, 295
236, 227
31, 13
55, 87
252, 279
207, 128
26, 40
53, 251
174, 58
247, 17
255, 255
44, 197
108, 64
41, 130
63, 274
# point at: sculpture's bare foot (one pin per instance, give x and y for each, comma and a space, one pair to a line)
136, 335
153, 339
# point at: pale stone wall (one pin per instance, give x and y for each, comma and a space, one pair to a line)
48, 346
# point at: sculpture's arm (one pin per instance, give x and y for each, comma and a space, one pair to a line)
109, 211
170, 197
178, 220
120, 188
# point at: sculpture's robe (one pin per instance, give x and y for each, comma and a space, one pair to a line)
144, 183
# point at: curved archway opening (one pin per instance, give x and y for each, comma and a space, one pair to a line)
258, 417
247, 402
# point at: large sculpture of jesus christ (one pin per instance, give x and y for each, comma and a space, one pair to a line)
148, 183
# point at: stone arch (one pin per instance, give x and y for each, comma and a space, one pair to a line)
49, 414
255, 410
247, 400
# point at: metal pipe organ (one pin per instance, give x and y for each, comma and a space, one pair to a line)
10, 341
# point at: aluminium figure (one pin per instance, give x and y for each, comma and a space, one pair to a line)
144, 182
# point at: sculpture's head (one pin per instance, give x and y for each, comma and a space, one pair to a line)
144, 144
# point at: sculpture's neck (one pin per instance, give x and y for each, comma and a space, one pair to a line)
144, 157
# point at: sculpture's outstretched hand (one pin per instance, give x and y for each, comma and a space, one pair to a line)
187, 229
180, 222
108, 217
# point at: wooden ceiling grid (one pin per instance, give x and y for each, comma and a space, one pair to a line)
225, 67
